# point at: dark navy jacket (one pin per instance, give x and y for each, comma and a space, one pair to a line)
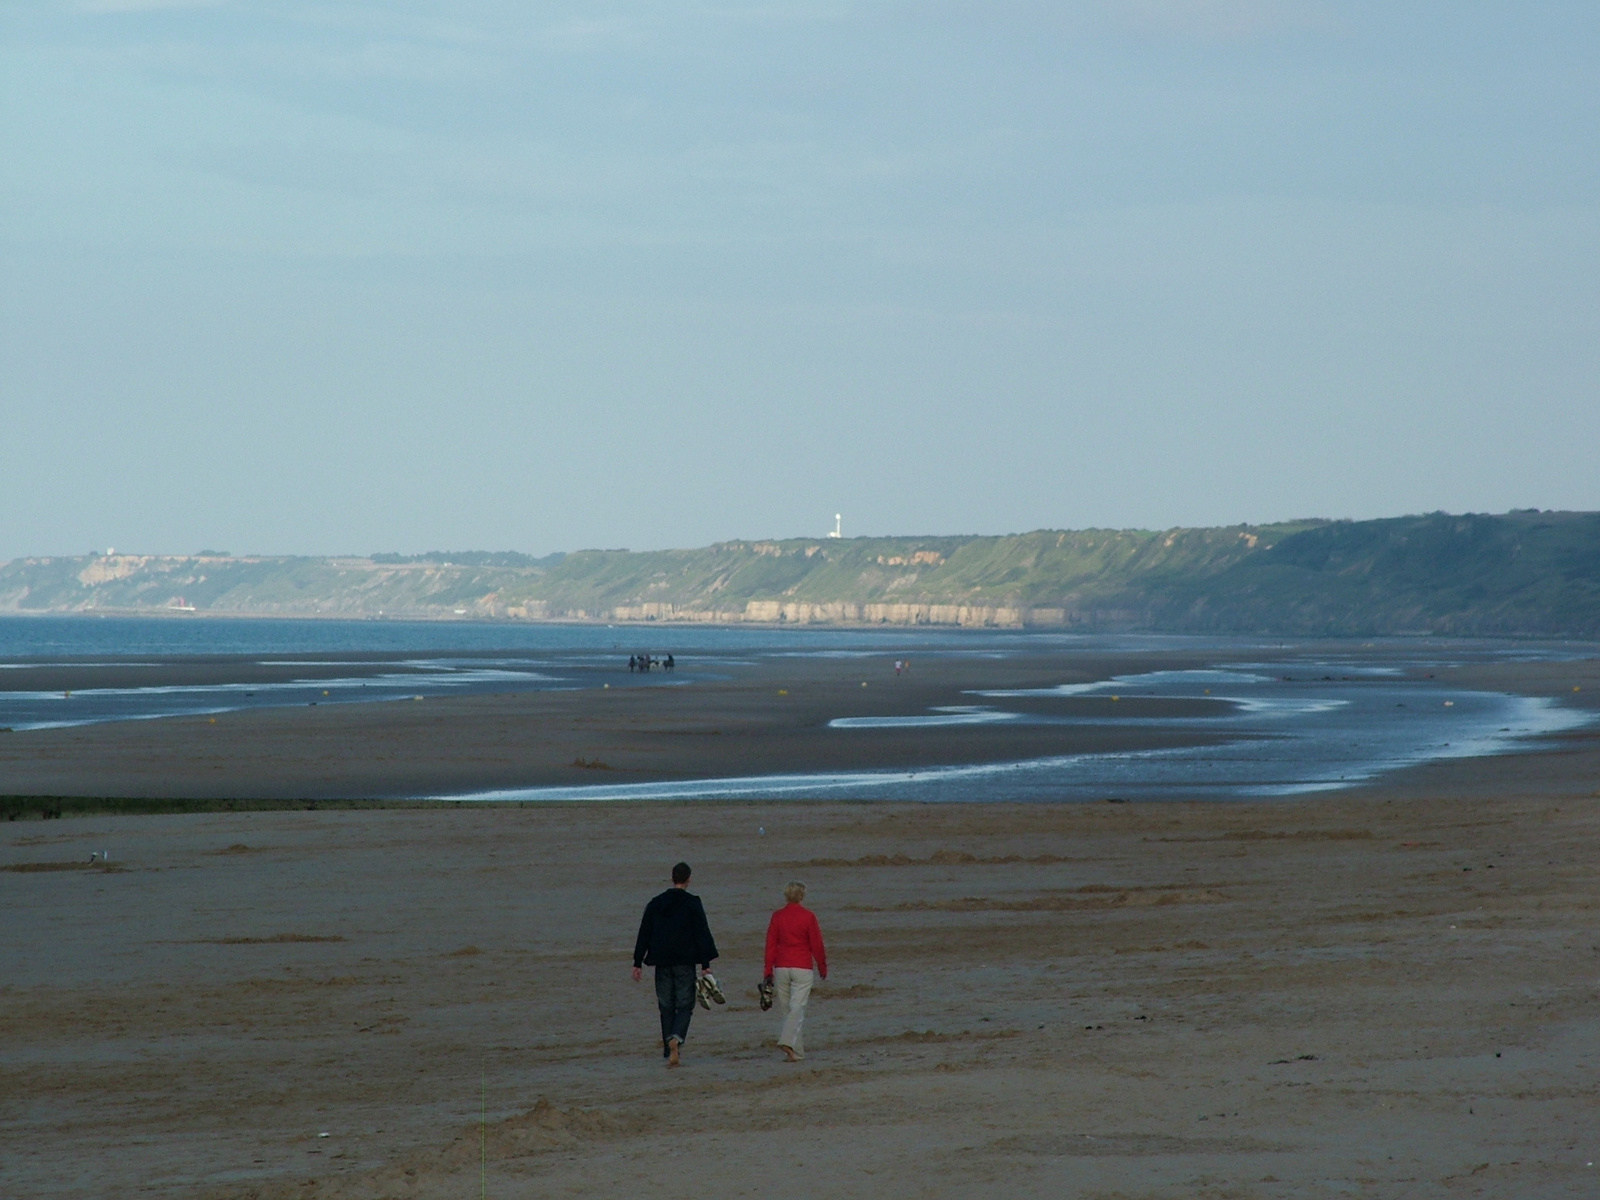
674, 932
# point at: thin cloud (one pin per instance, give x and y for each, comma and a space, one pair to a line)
580, 34
140, 6
1223, 20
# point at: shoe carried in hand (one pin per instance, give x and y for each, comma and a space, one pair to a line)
766, 992
707, 990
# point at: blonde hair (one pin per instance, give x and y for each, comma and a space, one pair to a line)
794, 891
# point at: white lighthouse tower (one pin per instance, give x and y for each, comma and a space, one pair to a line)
838, 526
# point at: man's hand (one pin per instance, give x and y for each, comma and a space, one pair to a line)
638, 974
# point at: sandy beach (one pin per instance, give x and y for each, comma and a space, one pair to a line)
1037, 476
1389, 992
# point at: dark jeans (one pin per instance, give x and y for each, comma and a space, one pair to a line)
675, 998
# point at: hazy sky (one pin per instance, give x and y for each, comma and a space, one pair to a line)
332, 276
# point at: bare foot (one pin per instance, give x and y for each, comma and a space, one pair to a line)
672, 1058
789, 1055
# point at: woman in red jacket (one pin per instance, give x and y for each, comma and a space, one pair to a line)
794, 942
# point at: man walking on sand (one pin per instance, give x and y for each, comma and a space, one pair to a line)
673, 938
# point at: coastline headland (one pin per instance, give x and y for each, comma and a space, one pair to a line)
1525, 573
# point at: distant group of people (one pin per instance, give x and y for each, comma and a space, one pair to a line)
675, 939
646, 662
902, 664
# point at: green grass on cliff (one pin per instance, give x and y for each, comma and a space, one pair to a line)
1516, 573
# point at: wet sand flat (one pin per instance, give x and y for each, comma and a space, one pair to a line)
765, 716
1389, 993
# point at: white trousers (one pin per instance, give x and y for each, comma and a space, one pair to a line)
793, 988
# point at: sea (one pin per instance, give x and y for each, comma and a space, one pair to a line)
1296, 718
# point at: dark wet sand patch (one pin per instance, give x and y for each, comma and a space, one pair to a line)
38, 868
276, 939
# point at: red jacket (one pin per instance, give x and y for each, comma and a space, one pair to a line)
794, 939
